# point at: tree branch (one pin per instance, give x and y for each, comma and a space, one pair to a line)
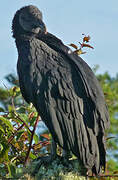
30, 144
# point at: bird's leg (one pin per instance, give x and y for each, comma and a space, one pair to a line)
65, 157
53, 153
66, 154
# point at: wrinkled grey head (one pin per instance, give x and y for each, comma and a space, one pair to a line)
28, 19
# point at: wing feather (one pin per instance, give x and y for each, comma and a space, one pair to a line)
66, 93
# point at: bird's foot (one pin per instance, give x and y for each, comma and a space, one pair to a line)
42, 161
46, 159
65, 158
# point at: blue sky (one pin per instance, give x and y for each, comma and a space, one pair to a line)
67, 19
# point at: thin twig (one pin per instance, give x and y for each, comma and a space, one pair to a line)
12, 102
22, 121
12, 136
30, 144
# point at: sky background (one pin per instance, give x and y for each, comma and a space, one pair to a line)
67, 19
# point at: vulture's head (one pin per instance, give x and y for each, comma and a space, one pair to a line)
28, 20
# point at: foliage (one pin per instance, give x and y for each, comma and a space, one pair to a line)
110, 89
19, 143
84, 43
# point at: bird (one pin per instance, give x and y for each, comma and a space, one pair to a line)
63, 89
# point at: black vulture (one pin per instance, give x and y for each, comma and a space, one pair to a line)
63, 89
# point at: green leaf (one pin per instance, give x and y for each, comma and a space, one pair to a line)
24, 117
4, 94
1, 109
10, 108
19, 134
36, 138
32, 156
32, 121
1, 147
2, 165
6, 122
11, 169
19, 170
4, 152
1, 129
21, 109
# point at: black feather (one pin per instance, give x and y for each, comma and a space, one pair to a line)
66, 94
